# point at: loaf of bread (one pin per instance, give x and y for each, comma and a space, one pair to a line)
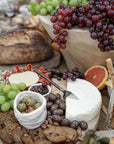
24, 45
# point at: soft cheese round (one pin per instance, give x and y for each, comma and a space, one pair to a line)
89, 103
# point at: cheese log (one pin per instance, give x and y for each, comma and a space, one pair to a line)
89, 104
24, 45
28, 77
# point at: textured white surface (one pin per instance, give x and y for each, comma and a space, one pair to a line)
89, 103
33, 119
28, 77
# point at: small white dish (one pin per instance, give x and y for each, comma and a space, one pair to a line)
49, 89
35, 118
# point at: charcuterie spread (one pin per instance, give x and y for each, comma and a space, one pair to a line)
55, 63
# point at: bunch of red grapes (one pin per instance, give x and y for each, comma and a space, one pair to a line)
97, 15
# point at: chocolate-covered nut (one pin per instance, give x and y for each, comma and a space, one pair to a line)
58, 96
65, 122
83, 125
58, 101
62, 105
56, 118
58, 112
50, 117
52, 97
48, 113
74, 124
54, 107
49, 104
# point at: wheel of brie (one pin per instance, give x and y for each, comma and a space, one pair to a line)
88, 106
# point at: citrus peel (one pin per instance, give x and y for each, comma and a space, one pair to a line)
97, 75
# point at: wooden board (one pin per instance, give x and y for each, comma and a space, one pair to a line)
50, 63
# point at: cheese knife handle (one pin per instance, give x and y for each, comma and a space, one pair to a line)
58, 87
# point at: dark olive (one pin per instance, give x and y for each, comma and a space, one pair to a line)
83, 125
65, 122
58, 96
62, 105
49, 104
52, 97
56, 118
58, 112
48, 113
54, 107
74, 124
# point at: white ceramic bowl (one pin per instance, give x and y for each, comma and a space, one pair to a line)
81, 50
35, 118
49, 88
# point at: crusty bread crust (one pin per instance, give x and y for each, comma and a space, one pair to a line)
24, 45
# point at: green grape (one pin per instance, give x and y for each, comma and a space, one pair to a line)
43, 5
1, 93
14, 87
2, 86
12, 94
57, 7
2, 100
11, 102
48, 3
73, 3
7, 88
18, 91
43, 11
22, 86
84, 2
38, 8
33, 3
7, 99
49, 8
30, 8
34, 13
60, 1
65, 2
5, 107
79, 1
52, 13
55, 3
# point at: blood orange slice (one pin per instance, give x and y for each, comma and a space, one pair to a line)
97, 75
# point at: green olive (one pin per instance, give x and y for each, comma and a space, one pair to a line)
37, 105
24, 100
31, 109
31, 101
21, 107
23, 112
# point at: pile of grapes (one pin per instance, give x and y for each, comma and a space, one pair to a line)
97, 15
8, 93
73, 75
50, 6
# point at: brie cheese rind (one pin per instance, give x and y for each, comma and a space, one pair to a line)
89, 103
27, 77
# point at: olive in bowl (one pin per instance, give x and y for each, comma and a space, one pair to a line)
28, 104
40, 88
34, 113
